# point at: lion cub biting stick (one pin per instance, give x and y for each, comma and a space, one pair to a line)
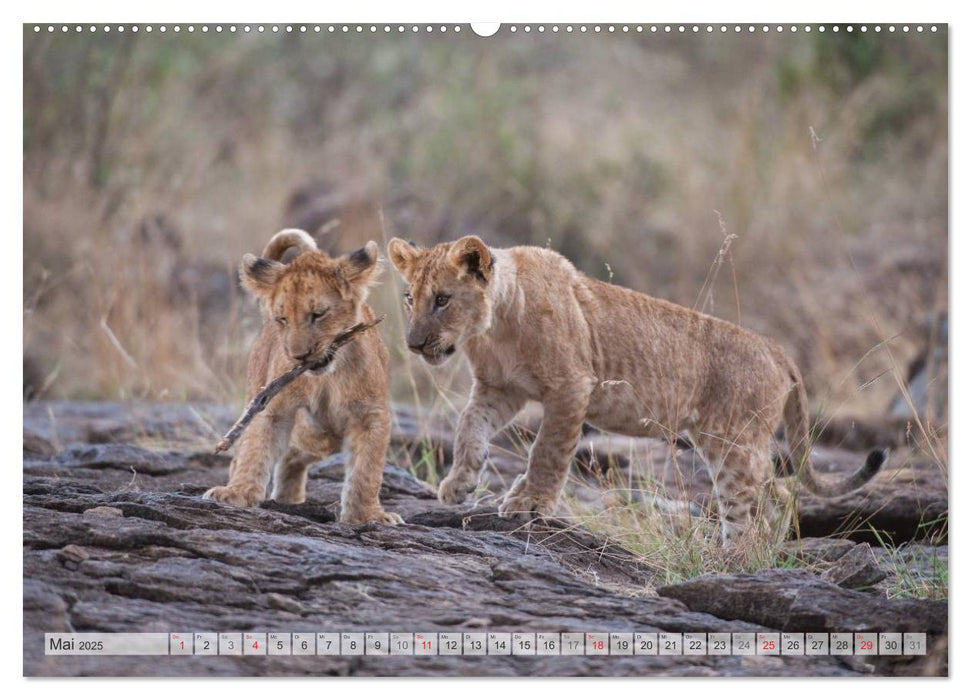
307, 303
533, 327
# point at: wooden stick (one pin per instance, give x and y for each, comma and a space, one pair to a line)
262, 399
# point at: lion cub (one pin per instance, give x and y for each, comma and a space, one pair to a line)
306, 303
533, 327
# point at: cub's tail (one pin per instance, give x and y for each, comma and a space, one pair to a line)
799, 461
286, 239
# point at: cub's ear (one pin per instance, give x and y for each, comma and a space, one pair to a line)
259, 274
361, 268
403, 255
472, 257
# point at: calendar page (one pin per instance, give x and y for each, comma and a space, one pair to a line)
546, 349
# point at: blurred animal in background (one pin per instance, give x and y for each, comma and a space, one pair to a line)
926, 393
206, 286
338, 217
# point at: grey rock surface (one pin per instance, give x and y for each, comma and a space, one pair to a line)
799, 601
858, 568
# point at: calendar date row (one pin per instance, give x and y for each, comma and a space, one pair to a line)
489, 644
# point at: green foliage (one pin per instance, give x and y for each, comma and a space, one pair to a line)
895, 69
917, 573
844, 59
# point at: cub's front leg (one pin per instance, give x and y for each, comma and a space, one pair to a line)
538, 490
262, 445
368, 440
488, 411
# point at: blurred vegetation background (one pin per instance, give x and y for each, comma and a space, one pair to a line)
796, 183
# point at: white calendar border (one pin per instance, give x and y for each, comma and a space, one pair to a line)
440, 10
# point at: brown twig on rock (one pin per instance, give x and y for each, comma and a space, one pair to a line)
262, 399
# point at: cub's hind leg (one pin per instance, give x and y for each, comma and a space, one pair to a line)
308, 444
741, 475
780, 507
290, 478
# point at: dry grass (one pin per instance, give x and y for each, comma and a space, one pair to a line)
828, 173
672, 540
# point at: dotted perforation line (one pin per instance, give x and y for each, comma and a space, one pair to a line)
442, 29
713, 28
249, 28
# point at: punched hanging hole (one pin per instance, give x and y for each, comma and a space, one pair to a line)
485, 28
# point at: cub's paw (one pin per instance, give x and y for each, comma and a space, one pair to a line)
386, 517
455, 487
243, 498
292, 496
523, 505
382, 517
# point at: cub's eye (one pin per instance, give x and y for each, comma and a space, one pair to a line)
317, 315
281, 320
408, 299
441, 301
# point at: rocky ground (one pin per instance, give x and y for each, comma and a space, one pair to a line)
117, 538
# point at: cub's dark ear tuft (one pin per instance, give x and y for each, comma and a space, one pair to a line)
364, 257
361, 268
403, 255
472, 257
259, 274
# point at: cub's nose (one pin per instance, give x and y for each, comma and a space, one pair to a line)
300, 357
415, 346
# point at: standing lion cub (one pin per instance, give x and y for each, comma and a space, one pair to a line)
533, 327
306, 304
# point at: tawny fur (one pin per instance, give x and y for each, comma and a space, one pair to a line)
534, 328
318, 414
